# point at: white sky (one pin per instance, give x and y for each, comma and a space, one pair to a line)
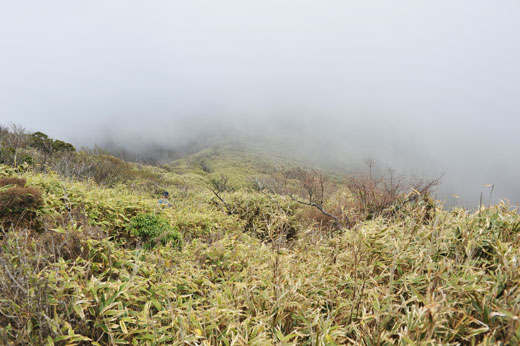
424, 86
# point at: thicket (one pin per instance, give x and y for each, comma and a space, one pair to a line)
43, 153
341, 203
17, 146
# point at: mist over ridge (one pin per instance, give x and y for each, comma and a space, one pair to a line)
425, 88
464, 177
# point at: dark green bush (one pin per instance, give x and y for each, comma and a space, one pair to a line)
153, 229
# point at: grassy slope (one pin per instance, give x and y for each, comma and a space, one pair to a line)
83, 279
241, 164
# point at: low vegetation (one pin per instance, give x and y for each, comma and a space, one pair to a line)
278, 255
17, 201
152, 229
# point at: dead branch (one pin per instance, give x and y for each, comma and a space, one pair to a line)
306, 187
217, 187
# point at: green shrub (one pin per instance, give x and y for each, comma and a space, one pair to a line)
152, 229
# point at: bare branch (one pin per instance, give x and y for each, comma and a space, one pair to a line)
218, 187
306, 187
320, 208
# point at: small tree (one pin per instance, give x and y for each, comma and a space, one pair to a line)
60, 145
4, 131
375, 194
43, 143
14, 140
47, 146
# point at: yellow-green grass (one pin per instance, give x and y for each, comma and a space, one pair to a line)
420, 277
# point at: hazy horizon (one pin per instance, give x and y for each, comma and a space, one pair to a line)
424, 87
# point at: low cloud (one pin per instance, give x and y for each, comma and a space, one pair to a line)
424, 87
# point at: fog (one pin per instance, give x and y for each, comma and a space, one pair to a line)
426, 87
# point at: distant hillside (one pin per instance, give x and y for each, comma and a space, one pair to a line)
242, 163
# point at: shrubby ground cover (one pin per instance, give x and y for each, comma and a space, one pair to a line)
270, 271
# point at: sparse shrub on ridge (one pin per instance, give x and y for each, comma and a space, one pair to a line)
106, 170
102, 168
342, 203
385, 195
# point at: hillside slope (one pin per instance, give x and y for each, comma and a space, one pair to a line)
272, 271
241, 162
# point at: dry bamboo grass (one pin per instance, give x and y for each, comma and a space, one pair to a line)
420, 277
